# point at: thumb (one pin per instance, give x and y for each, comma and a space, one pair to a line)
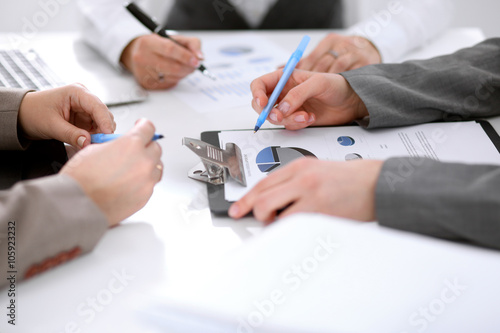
66, 132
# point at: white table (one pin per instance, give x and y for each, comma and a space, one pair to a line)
174, 243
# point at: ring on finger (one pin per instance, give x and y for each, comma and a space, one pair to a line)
334, 54
161, 77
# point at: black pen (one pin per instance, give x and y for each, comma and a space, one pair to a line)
150, 23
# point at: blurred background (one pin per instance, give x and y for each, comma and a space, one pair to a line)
64, 16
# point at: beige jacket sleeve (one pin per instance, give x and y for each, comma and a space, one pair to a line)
43, 222
10, 101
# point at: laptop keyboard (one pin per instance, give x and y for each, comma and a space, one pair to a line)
26, 70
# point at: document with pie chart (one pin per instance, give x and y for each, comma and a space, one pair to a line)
269, 150
235, 61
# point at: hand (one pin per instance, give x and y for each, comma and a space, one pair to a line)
119, 176
343, 189
309, 99
337, 54
68, 114
158, 62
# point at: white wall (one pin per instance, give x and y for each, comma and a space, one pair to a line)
45, 15
479, 13
63, 14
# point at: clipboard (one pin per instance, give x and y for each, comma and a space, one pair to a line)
216, 194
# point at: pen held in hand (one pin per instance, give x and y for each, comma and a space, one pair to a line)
151, 24
287, 71
102, 138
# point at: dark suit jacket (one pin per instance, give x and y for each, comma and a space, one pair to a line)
43, 222
285, 14
446, 200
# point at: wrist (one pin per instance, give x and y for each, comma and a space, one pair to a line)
359, 108
372, 175
24, 116
126, 56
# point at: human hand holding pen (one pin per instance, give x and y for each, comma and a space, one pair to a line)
69, 114
308, 99
119, 176
160, 63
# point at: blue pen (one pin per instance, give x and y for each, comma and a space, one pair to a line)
287, 71
101, 138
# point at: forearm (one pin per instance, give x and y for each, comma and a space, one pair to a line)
453, 201
404, 25
461, 86
53, 221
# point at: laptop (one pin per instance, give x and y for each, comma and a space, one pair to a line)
27, 69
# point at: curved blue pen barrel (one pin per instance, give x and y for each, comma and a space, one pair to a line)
101, 137
287, 71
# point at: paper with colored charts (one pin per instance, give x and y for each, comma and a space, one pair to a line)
268, 150
236, 61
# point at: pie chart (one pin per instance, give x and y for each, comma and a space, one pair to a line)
352, 157
346, 141
271, 158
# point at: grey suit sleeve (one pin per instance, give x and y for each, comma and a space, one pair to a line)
446, 200
51, 215
461, 86
10, 101
453, 201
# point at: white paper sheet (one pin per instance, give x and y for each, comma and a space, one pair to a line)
236, 62
464, 142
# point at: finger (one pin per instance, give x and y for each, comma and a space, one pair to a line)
299, 206
274, 199
151, 80
314, 85
192, 43
159, 167
172, 69
344, 63
323, 47
245, 205
324, 63
64, 131
144, 130
169, 49
153, 151
169, 68
298, 120
81, 100
264, 86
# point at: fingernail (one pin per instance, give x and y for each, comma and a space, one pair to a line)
200, 55
273, 116
284, 107
81, 141
300, 119
257, 100
195, 62
311, 119
233, 210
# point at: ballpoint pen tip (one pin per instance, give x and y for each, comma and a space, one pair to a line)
210, 75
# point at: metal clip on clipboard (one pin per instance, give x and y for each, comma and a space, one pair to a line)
217, 162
